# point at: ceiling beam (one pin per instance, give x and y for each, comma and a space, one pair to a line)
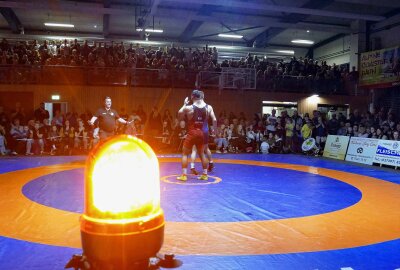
262, 39
78, 7
380, 3
265, 37
194, 25
252, 20
286, 9
12, 20
96, 8
163, 12
106, 19
233, 31
151, 13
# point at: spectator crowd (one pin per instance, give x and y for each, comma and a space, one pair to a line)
271, 74
67, 134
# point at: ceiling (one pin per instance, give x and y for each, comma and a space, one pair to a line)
264, 24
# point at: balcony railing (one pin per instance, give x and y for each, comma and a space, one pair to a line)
69, 75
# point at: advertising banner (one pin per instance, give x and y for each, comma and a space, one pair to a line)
336, 146
362, 150
381, 68
388, 153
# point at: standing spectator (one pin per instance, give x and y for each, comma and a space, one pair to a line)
306, 130
289, 128
41, 113
333, 125
320, 133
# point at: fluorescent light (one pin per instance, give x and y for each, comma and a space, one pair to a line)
154, 30
60, 25
285, 51
302, 41
222, 47
314, 96
147, 42
229, 36
308, 31
150, 30
55, 97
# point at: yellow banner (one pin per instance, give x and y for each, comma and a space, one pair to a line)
380, 68
336, 146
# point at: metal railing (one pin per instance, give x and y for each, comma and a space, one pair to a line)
70, 75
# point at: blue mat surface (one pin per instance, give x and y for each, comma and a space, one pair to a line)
245, 193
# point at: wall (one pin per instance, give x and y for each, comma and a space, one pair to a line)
337, 51
81, 98
387, 38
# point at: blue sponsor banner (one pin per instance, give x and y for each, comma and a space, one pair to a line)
388, 153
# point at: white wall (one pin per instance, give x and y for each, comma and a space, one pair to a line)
337, 51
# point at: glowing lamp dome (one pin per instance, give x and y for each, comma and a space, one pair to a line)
122, 221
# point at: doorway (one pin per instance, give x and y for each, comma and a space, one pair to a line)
52, 107
289, 107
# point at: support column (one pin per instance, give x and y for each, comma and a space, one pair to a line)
358, 41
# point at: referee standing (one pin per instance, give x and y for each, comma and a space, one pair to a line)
107, 117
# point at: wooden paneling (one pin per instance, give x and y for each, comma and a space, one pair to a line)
81, 98
8, 100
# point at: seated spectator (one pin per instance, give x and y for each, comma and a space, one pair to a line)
395, 136
67, 134
38, 138
349, 131
20, 140
372, 133
380, 135
362, 132
221, 140
3, 141
81, 138
54, 139
251, 145
179, 135
277, 146
264, 147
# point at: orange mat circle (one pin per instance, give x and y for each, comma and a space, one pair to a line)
375, 218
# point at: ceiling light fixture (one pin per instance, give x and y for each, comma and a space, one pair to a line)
230, 36
60, 25
285, 51
302, 41
150, 30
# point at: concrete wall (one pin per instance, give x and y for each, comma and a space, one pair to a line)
337, 51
